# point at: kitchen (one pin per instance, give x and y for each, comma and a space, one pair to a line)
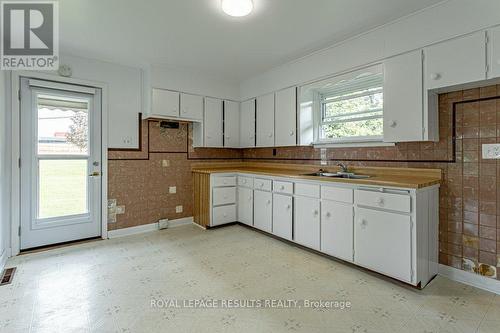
361, 170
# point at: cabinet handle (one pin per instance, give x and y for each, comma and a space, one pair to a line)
380, 201
393, 124
261, 184
228, 137
288, 206
270, 135
282, 187
292, 133
249, 198
363, 223
268, 202
328, 214
435, 76
315, 212
244, 181
225, 215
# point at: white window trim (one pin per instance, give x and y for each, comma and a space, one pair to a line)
361, 141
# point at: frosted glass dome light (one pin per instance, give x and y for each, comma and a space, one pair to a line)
237, 8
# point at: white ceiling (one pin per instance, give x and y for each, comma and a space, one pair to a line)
195, 34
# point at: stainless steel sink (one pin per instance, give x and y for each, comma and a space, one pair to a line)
347, 175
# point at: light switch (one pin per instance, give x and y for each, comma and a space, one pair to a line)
172, 189
165, 163
178, 209
491, 151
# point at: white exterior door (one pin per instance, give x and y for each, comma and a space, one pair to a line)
60, 163
265, 121
247, 124
213, 122
231, 124
245, 205
307, 222
282, 216
382, 242
337, 229
263, 210
286, 117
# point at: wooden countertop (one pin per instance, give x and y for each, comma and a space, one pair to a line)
396, 177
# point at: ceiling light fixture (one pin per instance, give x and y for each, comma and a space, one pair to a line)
237, 8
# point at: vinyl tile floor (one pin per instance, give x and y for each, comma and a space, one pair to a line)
230, 279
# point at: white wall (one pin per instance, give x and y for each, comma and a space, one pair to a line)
444, 21
4, 172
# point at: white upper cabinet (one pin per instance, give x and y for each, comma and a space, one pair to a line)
247, 124
286, 117
165, 103
458, 61
265, 120
494, 53
213, 122
231, 124
403, 98
191, 107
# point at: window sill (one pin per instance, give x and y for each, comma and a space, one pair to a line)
352, 144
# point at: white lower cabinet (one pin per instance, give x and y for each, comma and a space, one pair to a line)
282, 216
245, 205
307, 222
382, 242
263, 210
337, 229
392, 231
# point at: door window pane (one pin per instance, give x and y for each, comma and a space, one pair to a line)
62, 188
62, 126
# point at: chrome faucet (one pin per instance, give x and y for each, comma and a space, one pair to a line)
343, 167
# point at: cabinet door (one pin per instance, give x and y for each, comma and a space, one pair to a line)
265, 121
457, 61
307, 222
403, 98
213, 122
165, 103
191, 107
337, 230
263, 210
247, 124
286, 117
231, 124
382, 242
245, 205
494, 53
282, 216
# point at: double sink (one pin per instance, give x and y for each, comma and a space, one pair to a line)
348, 175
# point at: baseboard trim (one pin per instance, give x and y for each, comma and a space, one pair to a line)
3, 258
140, 229
470, 279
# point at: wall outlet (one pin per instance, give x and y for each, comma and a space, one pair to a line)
172, 189
165, 163
491, 151
178, 209
111, 218
120, 209
127, 140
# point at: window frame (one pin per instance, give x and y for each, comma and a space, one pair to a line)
318, 111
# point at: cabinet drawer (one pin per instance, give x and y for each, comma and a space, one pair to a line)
263, 184
224, 214
337, 194
307, 190
224, 196
224, 181
283, 187
390, 201
245, 181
